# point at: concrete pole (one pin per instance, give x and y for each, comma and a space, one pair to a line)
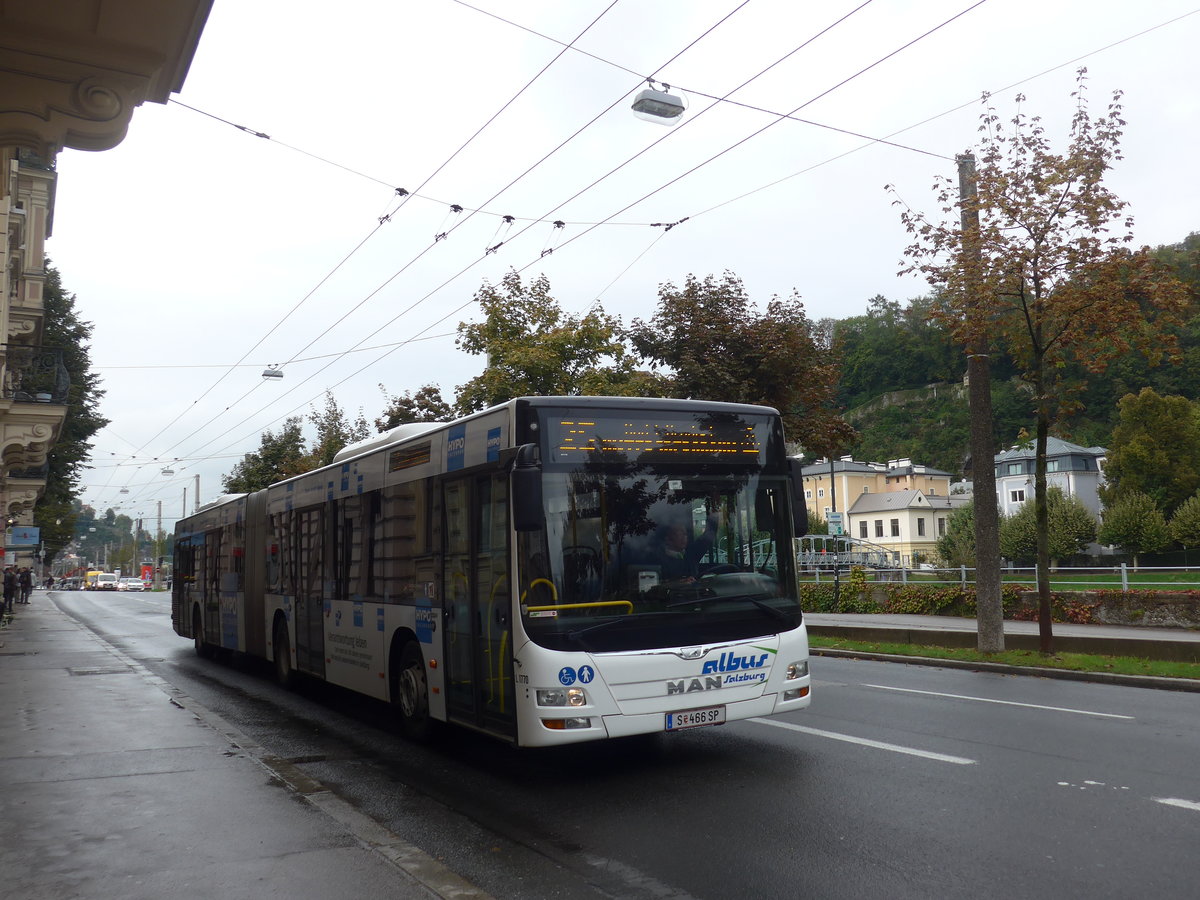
988, 601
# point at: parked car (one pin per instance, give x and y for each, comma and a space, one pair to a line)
131, 584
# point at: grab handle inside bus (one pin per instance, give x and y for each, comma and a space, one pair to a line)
526, 489
799, 509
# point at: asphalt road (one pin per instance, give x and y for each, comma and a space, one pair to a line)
899, 781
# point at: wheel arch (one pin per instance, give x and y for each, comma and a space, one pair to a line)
400, 637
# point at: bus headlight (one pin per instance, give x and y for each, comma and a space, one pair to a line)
797, 670
561, 697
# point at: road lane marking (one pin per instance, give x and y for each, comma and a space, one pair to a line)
1080, 712
1182, 804
864, 742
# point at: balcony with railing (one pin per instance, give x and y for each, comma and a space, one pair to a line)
34, 374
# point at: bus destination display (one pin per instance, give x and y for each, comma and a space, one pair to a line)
733, 439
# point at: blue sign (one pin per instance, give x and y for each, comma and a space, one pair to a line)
24, 536
424, 620
456, 448
566, 675
493, 445
586, 674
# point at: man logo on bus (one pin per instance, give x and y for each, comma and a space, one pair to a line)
696, 684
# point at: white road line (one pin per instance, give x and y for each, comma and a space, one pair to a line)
1081, 712
864, 742
1182, 804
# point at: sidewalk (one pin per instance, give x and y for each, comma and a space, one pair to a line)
116, 785
1177, 644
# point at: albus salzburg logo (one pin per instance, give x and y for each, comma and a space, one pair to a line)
728, 668
727, 662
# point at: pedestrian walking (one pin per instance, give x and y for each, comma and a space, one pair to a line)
10, 588
25, 583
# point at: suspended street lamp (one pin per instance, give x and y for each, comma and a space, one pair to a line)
652, 105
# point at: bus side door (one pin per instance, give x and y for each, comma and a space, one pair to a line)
478, 604
309, 549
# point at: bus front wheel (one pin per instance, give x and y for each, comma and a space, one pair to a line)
411, 695
204, 650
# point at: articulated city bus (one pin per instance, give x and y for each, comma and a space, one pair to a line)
552, 570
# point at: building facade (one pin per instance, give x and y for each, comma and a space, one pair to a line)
71, 74
834, 487
1079, 471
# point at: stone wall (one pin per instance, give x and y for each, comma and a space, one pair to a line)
1162, 609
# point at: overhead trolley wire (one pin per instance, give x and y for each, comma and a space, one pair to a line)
487, 252
900, 131
383, 220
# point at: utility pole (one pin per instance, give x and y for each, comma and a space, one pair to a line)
196, 493
988, 601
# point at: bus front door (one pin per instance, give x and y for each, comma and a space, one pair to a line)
480, 690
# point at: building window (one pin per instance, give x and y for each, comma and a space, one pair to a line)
820, 492
862, 529
1017, 496
1015, 468
895, 528
808, 495
941, 526
879, 528
866, 489
920, 528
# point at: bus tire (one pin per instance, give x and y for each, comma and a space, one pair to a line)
204, 650
285, 675
410, 695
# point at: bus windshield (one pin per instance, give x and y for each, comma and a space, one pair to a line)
636, 557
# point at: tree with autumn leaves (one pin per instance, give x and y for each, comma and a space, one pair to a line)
1053, 278
715, 344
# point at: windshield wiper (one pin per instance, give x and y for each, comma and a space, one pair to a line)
713, 598
607, 623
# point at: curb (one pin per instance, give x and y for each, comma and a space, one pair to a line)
1155, 682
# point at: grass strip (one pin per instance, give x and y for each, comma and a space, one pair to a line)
1077, 662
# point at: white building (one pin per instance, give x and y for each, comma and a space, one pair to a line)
1079, 471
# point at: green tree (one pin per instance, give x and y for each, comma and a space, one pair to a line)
1154, 450
1135, 524
816, 525
1050, 277
1071, 524
1184, 526
533, 348
957, 546
335, 430
426, 405
893, 348
717, 346
63, 329
279, 456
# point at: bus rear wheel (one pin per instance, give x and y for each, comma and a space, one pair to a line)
411, 695
284, 673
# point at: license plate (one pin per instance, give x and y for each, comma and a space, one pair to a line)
695, 718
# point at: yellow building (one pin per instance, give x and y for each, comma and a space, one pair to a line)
834, 487
71, 74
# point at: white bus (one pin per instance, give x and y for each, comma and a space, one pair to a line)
549, 571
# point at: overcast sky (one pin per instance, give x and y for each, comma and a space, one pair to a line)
194, 245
